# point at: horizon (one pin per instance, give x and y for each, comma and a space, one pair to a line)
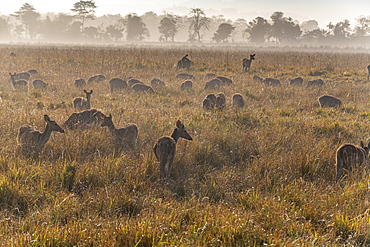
230, 9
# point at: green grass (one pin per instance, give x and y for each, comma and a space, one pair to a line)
261, 175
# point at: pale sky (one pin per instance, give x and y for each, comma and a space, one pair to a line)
324, 11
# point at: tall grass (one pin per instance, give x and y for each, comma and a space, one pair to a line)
261, 175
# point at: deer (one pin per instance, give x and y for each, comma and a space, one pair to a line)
80, 82
209, 102
349, 156
238, 100
117, 83
220, 101
17, 83
124, 137
184, 63
83, 120
33, 141
329, 101
39, 84
165, 149
80, 103
247, 63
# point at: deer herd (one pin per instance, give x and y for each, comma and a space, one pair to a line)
32, 141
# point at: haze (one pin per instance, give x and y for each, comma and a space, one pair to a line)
322, 11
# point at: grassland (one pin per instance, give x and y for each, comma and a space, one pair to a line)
261, 175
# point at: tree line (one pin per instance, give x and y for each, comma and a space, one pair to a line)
82, 25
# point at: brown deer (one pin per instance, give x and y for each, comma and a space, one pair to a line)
165, 149
209, 102
80, 103
329, 101
349, 156
17, 83
33, 141
184, 63
83, 120
238, 100
124, 137
247, 63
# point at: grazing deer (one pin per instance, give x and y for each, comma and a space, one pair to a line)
184, 63
220, 101
209, 102
296, 81
271, 82
80, 103
96, 78
186, 85
165, 149
117, 83
210, 76
39, 84
329, 101
139, 87
124, 137
225, 81
22, 76
349, 156
258, 79
213, 84
132, 81
80, 82
185, 76
84, 119
32, 72
247, 63
157, 83
238, 100
33, 141
317, 82
17, 83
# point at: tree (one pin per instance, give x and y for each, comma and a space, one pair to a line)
362, 27
283, 28
151, 21
258, 30
223, 32
84, 10
340, 32
168, 27
135, 28
198, 23
114, 32
240, 28
315, 35
30, 19
310, 25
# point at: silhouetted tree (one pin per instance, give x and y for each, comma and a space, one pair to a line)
317, 35
30, 19
258, 30
114, 32
198, 23
362, 27
91, 32
135, 28
223, 32
168, 27
84, 10
283, 28
340, 32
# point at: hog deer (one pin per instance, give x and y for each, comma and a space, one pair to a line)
184, 63
238, 100
17, 83
165, 149
33, 141
247, 63
349, 156
125, 138
80, 103
329, 101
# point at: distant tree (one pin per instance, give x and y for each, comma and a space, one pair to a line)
84, 10
362, 26
168, 27
317, 35
4, 29
240, 28
341, 31
283, 28
198, 23
91, 32
258, 30
310, 25
151, 21
223, 32
135, 28
114, 32
29, 18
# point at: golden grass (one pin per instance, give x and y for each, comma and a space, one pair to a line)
261, 175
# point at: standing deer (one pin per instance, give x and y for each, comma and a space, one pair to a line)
349, 156
124, 137
165, 149
33, 141
247, 63
80, 103
17, 83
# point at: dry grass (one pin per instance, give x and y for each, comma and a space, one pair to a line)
261, 175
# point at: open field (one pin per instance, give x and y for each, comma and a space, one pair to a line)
260, 175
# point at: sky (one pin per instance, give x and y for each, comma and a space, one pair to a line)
324, 11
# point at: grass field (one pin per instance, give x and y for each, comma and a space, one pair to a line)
260, 175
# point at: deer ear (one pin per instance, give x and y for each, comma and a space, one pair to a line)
91, 91
110, 115
46, 118
85, 91
179, 124
102, 116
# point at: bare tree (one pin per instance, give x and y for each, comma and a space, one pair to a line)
84, 10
